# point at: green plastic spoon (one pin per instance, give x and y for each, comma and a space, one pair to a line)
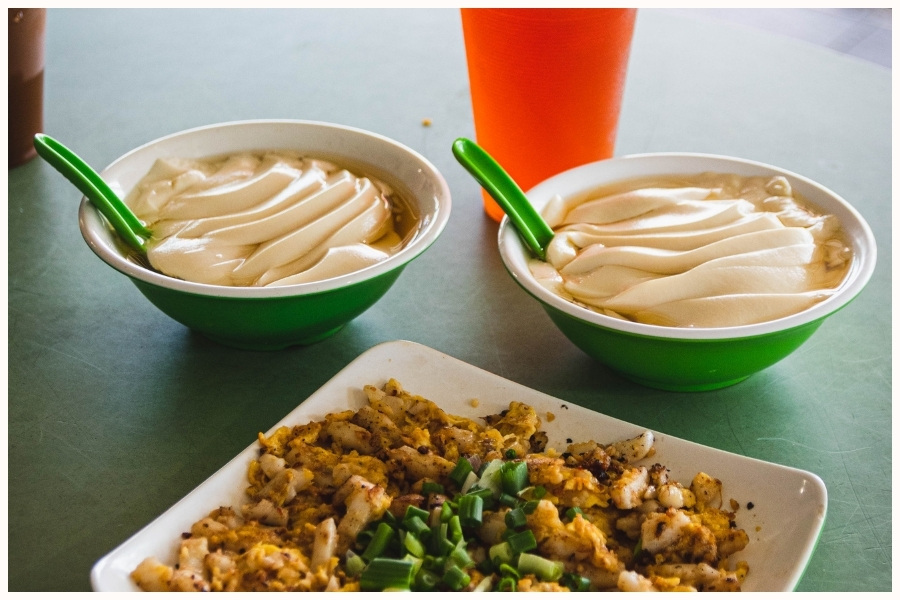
89, 182
529, 223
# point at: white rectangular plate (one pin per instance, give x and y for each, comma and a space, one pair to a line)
788, 511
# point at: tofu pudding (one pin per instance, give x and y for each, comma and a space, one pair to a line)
711, 250
266, 219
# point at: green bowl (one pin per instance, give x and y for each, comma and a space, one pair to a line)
261, 318
686, 359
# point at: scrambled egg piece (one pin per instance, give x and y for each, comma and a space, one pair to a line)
315, 487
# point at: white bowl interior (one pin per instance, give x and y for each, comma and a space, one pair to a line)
373, 154
515, 254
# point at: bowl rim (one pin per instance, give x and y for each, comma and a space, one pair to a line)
515, 254
90, 219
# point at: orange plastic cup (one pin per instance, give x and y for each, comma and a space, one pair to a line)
546, 86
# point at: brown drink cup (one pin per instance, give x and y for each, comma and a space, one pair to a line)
26, 81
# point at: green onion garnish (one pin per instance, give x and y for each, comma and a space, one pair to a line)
516, 518
573, 512
522, 541
501, 553
490, 477
446, 512
383, 536
508, 500
483, 493
456, 579
426, 580
415, 525
447, 546
546, 570
513, 477
507, 570
415, 561
415, 511
575, 582
354, 564
471, 480
507, 584
432, 487
460, 556
386, 573
413, 545
470, 510
461, 471
454, 529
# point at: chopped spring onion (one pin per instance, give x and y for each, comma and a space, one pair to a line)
533, 493
447, 546
455, 578
510, 453
436, 539
508, 500
439, 543
490, 477
446, 512
461, 471
546, 570
573, 512
386, 573
576, 582
415, 511
483, 493
460, 556
470, 510
501, 553
415, 561
432, 487
516, 518
415, 525
434, 563
353, 563
522, 541
383, 536
426, 580
513, 477
434, 545
471, 479
454, 529
507, 570
507, 584
414, 545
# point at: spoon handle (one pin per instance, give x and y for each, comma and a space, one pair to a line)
497, 182
89, 182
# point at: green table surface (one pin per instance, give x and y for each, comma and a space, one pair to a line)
115, 411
